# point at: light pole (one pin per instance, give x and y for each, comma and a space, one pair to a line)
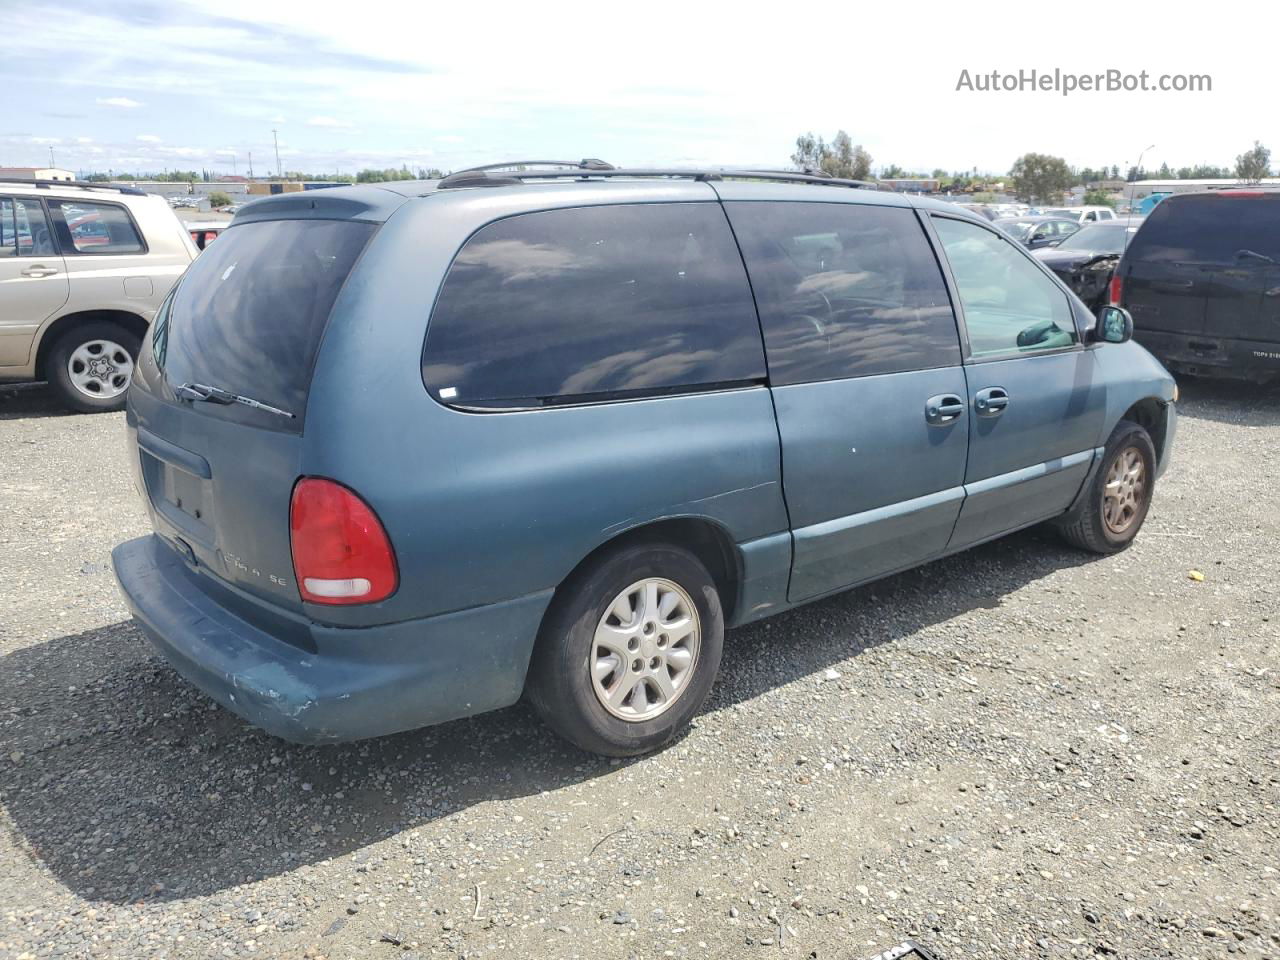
1137, 167
275, 138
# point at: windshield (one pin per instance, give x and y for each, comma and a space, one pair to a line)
1099, 239
250, 311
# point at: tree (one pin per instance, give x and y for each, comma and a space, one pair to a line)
1098, 198
809, 152
841, 158
1253, 165
892, 172
219, 199
1040, 178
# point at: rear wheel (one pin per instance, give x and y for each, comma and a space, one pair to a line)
91, 366
1114, 508
629, 650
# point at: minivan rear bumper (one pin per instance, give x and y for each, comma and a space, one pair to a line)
1198, 355
360, 683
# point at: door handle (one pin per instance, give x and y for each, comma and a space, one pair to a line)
39, 270
991, 401
943, 409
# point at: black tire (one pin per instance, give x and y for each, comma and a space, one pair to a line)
60, 377
560, 685
1085, 525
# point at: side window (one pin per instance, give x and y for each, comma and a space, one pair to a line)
844, 290
85, 227
593, 302
24, 229
1010, 307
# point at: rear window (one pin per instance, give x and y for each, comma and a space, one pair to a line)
1210, 228
249, 312
593, 303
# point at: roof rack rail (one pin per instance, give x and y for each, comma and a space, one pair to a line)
83, 184
480, 176
515, 170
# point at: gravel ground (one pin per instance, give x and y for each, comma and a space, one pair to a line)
1021, 751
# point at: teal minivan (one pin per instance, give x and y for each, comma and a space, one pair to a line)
414, 450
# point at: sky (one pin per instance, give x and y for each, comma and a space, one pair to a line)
142, 85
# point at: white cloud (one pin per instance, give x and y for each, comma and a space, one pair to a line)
148, 138
45, 141
328, 122
449, 138
277, 119
84, 139
125, 102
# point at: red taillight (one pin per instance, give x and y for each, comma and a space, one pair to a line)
1116, 291
341, 553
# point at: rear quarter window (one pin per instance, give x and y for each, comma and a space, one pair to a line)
593, 303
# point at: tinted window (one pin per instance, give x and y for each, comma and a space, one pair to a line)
844, 290
249, 312
95, 228
1010, 306
24, 229
592, 301
1209, 227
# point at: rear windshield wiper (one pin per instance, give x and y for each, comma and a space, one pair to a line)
208, 394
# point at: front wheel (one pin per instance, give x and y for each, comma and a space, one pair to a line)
91, 366
1115, 507
628, 650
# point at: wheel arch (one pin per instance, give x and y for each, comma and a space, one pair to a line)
1149, 413
131, 322
706, 539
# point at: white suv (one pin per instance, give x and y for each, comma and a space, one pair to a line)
83, 269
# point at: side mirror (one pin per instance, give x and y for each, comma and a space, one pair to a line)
1115, 325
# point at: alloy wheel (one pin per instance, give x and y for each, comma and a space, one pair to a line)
645, 649
1124, 491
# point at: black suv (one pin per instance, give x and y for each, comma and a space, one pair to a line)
1202, 280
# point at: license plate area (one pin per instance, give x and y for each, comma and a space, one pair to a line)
182, 498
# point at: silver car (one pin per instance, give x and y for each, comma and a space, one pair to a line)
83, 269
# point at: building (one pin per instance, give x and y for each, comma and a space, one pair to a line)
36, 173
1144, 188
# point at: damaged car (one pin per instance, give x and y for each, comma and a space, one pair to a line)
1086, 260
